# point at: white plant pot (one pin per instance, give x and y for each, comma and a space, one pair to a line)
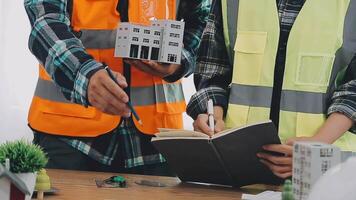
30, 180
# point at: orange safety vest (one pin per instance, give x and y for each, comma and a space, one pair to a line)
158, 103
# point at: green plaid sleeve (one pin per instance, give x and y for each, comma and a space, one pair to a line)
195, 14
344, 98
58, 50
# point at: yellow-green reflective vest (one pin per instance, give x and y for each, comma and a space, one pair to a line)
321, 44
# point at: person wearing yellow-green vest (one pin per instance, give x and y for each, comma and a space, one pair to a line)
290, 61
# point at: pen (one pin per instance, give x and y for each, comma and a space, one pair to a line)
129, 102
211, 115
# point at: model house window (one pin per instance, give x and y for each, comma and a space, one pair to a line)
172, 58
135, 39
126, 29
175, 26
119, 37
147, 31
154, 53
144, 52
156, 42
134, 51
120, 29
157, 33
136, 30
175, 35
174, 44
146, 40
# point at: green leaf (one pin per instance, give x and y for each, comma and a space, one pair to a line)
24, 156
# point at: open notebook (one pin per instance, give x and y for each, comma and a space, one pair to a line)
227, 158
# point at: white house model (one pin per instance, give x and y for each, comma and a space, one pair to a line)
162, 41
310, 161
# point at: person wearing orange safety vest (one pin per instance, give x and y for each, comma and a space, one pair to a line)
289, 61
79, 115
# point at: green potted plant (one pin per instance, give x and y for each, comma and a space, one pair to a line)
26, 159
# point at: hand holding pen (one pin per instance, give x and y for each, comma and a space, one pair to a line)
212, 121
107, 94
128, 102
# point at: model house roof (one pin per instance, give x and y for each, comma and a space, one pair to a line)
4, 173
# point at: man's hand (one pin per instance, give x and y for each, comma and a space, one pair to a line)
201, 123
154, 68
280, 165
106, 95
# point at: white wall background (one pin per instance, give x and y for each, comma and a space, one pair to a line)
18, 73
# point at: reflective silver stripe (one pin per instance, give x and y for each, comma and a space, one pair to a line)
140, 96
232, 10
98, 39
305, 102
166, 93
293, 101
230, 14
48, 90
256, 96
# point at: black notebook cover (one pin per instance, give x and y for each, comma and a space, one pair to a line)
228, 158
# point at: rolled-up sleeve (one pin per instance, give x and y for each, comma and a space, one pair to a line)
344, 98
212, 75
195, 14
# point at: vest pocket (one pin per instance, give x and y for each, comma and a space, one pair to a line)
170, 104
249, 55
314, 69
68, 110
308, 124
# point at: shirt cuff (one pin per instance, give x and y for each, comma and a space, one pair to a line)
199, 101
81, 82
345, 107
186, 68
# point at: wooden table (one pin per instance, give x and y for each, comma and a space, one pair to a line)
79, 185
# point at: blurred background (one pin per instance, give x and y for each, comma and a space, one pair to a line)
18, 73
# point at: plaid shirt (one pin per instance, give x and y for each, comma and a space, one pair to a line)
213, 73
65, 58
71, 67
124, 147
